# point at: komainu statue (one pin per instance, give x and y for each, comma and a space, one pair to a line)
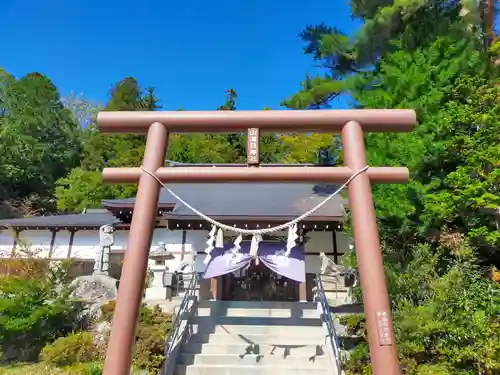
339, 272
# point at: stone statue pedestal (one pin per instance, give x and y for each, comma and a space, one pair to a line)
97, 288
92, 292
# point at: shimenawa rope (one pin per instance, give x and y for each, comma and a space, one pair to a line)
263, 230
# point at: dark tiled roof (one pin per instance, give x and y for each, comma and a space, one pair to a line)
257, 199
71, 221
231, 200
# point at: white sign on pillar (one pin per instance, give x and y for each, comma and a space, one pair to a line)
253, 145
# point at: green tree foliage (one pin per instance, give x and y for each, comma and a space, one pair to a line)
83, 187
441, 82
303, 148
465, 197
437, 71
209, 148
388, 26
39, 140
84, 111
222, 148
438, 230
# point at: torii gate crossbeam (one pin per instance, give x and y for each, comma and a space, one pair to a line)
350, 123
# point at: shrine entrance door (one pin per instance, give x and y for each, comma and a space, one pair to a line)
258, 283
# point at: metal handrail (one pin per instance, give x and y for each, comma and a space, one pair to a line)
176, 331
330, 324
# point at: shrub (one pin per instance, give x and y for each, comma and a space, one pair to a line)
76, 348
154, 316
95, 370
107, 311
150, 347
355, 324
83, 369
147, 315
35, 307
446, 315
154, 327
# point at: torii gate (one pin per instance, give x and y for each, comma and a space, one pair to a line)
350, 123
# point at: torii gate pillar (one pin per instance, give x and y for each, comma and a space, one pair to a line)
376, 302
134, 269
350, 123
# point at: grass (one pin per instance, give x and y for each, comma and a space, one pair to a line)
25, 369
44, 369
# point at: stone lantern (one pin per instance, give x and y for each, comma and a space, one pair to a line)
156, 289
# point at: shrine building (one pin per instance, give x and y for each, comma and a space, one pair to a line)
180, 238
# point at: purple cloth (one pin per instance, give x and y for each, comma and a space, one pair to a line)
271, 254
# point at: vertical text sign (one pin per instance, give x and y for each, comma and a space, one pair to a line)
253, 143
384, 333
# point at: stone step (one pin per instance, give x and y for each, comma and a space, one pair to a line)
339, 279
245, 348
336, 292
282, 339
258, 312
253, 360
259, 304
335, 302
251, 370
334, 281
347, 309
290, 322
287, 330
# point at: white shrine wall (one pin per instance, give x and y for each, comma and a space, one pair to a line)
188, 256
6, 242
86, 244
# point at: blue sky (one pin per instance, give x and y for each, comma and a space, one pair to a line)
191, 50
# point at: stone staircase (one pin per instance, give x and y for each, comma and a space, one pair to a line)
256, 338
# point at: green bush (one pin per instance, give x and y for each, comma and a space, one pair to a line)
35, 307
446, 315
154, 316
150, 347
154, 327
83, 369
107, 311
76, 348
95, 369
355, 324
